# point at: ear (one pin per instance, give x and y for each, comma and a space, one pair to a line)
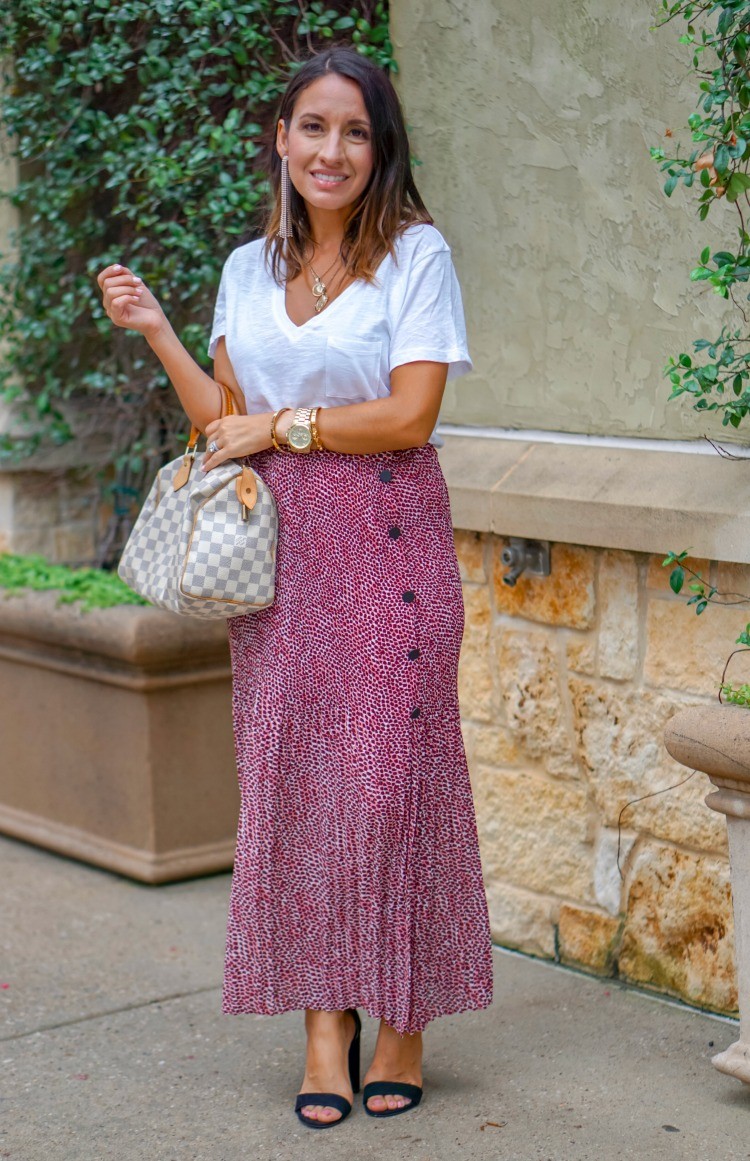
282, 144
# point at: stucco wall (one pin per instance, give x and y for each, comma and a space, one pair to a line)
533, 123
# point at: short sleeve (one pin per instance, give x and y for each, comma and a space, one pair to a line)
430, 322
219, 326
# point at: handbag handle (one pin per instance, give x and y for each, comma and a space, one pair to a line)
183, 475
245, 486
227, 408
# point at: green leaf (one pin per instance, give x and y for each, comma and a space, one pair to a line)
676, 579
737, 185
721, 159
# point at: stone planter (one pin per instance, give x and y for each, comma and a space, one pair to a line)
716, 740
116, 737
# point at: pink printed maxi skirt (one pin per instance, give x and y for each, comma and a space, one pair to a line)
357, 879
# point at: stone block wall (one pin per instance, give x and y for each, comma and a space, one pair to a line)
566, 684
57, 516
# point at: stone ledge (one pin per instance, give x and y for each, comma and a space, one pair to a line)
137, 644
640, 500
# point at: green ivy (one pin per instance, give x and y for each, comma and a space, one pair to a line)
137, 126
716, 377
94, 588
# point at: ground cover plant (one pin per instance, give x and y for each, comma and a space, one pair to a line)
92, 588
137, 128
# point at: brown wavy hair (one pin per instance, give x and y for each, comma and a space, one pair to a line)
388, 204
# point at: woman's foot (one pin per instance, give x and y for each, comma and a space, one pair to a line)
396, 1058
329, 1035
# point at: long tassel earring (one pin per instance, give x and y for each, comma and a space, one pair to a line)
285, 218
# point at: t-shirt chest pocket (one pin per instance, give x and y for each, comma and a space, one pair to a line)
352, 368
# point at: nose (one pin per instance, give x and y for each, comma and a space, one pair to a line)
331, 149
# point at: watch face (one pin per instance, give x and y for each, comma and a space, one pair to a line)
299, 436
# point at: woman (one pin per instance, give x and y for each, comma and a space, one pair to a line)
357, 880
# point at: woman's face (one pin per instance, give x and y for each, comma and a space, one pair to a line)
329, 143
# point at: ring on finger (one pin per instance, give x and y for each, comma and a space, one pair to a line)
213, 446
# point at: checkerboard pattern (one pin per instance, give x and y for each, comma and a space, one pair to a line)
192, 552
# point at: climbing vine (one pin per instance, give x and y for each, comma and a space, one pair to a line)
137, 128
715, 376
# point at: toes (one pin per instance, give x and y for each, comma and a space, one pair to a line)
389, 1101
320, 1112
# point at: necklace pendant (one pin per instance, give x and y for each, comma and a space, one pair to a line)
318, 288
322, 301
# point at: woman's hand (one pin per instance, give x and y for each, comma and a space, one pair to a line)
237, 436
128, 302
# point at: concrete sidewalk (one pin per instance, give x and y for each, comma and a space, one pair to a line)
115, 1048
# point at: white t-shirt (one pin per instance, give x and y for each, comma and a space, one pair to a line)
344, 354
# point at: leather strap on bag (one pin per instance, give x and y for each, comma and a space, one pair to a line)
245, 485
183, 475
227, 408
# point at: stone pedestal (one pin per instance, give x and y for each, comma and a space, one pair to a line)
716, 740
116, 742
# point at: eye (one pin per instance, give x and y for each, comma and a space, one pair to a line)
363, 134
310, 126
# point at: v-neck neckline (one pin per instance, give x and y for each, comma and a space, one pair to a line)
301, 327
297, 331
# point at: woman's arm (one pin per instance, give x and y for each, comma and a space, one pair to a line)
405, 418
197, 391
130, 304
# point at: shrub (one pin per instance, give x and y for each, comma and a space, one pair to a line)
137, 127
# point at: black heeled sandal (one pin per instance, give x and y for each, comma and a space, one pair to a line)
395, 1088
332, 1099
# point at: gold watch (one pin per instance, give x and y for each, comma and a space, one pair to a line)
299, 436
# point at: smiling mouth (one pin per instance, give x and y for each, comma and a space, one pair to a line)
329, 178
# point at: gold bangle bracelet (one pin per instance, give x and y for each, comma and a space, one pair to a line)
274, 441
317, 442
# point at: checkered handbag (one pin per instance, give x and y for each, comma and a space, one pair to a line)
204, 547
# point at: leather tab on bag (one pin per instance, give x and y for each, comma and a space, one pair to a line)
183, 473
247, 488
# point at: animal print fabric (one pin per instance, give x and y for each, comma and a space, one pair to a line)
357, 879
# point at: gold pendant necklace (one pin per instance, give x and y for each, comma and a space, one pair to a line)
319, 288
